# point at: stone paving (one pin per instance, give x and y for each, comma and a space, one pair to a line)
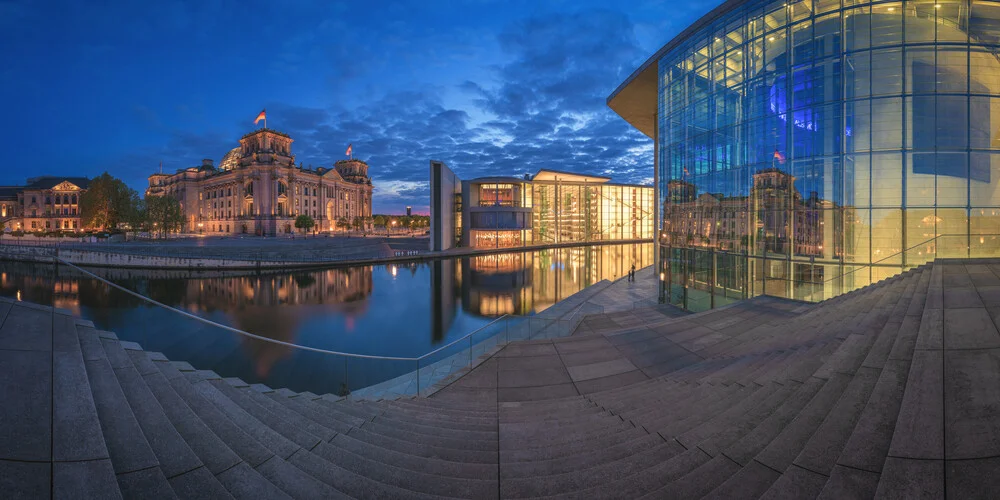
892, 391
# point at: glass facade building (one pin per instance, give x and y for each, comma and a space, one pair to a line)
548, 208
808, 148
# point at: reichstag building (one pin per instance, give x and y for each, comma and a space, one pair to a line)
808, 148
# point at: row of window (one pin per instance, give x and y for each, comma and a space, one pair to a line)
282, 189
59, 200
66, 224
49, 212
218, 214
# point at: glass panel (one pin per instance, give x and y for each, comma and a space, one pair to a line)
921, 226
822, 6
887, 72
887, 177
952, 221
985, 176
952, 18
984, 22
887, 236
984, 71
920, 21
827, 36
952, 122
920, 122
857, 126
887, 124
887, 24
920, 179
952, 179
920, 72
857, 25
952, 70
803, 43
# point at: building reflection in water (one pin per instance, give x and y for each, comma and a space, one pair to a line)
530, 282
403, 310
250, 302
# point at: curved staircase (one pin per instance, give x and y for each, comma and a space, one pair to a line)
892, 391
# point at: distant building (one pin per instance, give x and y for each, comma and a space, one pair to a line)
550, 207
258, 189
409, 211
47, 203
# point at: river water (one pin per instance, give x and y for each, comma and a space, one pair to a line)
400, 310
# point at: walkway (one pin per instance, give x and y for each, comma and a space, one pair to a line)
889, 391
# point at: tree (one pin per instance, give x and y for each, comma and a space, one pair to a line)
379, 221
2, 228
304, 222
162, 215
358, 222
107, 203
343, 222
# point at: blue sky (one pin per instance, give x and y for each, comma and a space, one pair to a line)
489, 87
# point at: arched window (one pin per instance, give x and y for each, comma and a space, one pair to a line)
282, 188
250, 189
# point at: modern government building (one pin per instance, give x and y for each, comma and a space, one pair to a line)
548, 208
807, 148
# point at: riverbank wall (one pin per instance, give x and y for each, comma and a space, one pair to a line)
110, 257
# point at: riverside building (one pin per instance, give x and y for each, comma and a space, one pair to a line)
548, 208
258, 189
807, 148
47, 203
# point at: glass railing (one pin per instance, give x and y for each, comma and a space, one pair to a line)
205, 343
809, 279
857, 276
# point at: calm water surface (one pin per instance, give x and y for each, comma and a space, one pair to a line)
402, 310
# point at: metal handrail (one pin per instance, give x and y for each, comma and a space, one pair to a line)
439, 349
268, 339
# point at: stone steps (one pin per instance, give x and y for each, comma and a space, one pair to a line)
136, 466
761, 399
691, 460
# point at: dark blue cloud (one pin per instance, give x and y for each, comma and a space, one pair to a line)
490, 87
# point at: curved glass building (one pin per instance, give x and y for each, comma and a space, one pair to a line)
808, 148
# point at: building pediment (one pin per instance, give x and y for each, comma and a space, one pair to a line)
66, 186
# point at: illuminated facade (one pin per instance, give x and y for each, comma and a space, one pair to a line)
523, 283
46, 203
808, 148
548, 208
258, 189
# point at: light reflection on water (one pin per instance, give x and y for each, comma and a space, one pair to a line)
401, 310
